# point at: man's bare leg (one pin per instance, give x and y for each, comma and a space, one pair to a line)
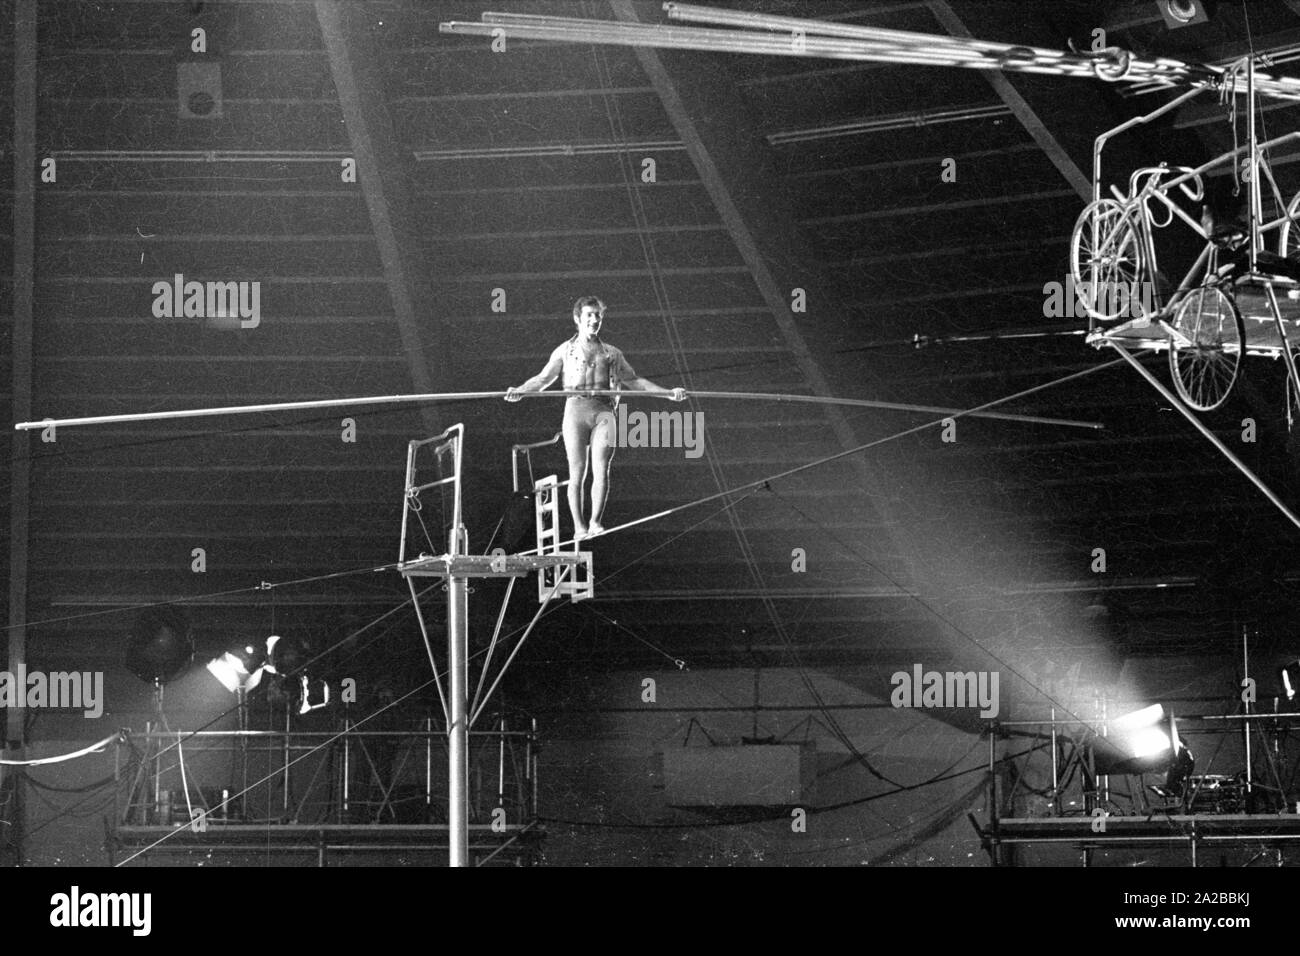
575, 446
602, 454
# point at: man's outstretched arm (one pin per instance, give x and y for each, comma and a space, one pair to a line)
628, 379
543, 379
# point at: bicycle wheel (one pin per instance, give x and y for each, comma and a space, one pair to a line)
1284, 237
1105, 259
1205, 366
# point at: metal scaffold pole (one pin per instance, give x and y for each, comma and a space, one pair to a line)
458, 722
457, 566
458, 688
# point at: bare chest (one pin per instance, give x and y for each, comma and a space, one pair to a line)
589, 365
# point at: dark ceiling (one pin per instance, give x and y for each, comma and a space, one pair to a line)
522, 171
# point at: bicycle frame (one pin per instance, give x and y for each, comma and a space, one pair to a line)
1145, 188
1200, 322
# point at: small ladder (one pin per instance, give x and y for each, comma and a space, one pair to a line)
577, 583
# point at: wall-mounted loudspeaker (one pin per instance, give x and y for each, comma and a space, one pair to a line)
198, 89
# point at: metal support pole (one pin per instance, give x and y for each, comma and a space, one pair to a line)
458, 566
531, 764
458, 717
1103, 781
458, 680
428, 765
501, 765
288, 725
995, 811
1245, 724
13, 741
1253, 163
406, 499
347, 768
1056, 773
242, 706
152, 749
117, 777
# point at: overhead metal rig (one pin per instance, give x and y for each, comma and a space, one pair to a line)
818, 39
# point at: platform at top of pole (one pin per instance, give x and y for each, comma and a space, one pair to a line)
484, 565
1250, 295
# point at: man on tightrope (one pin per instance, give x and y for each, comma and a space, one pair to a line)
588, 364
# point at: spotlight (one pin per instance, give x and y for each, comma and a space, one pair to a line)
1140, 732
1291, 680
1144, 741
1179, 773
1185, 13
241, 668
1180, 769
161, 646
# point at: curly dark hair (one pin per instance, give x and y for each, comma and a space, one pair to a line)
588, 300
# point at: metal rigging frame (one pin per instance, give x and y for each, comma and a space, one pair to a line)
457, 567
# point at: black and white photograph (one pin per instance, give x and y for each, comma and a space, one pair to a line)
612, 433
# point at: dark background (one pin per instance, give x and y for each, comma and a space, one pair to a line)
976, 554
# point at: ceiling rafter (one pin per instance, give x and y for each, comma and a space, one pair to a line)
379, 158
